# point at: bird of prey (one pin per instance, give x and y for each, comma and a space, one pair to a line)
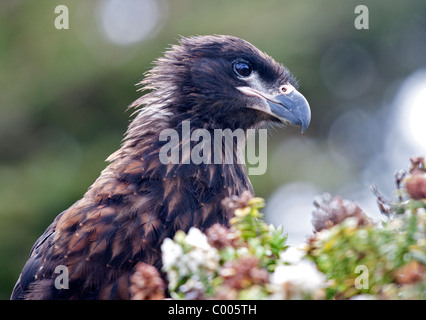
215, 82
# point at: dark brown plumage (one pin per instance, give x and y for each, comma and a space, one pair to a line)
216, 82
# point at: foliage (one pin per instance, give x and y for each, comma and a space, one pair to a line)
225, 263
349, 255
245, 261
392, 256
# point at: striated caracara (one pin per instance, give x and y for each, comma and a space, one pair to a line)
210, 82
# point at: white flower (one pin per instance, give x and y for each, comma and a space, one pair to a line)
363, 297
171, 252
351, 222
196, 238
299, 281
325, 234
202, 255
199, 259
173, 278
292, 255
242, 251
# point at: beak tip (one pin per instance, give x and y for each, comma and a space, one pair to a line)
305, 126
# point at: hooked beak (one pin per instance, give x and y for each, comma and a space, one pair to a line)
290, 106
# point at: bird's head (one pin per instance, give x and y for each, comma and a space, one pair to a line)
225, 80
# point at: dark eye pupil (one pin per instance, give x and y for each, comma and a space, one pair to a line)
243, 69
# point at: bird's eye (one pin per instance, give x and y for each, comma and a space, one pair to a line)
243, 69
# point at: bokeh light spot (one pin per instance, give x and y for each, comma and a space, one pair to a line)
126, 22
411, 101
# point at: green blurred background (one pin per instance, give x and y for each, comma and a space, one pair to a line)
64, 94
